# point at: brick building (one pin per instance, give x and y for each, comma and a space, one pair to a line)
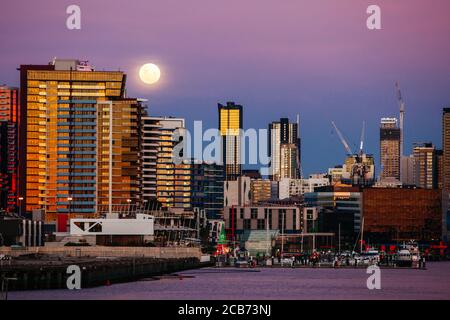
402, 214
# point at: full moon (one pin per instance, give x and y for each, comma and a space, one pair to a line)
149, 73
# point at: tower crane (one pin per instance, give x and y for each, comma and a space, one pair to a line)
401, 105
361, 144
341, 137
360, 168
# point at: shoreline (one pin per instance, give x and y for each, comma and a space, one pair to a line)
51, 272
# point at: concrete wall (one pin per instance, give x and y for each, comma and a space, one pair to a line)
98, 251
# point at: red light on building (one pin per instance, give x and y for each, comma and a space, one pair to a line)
9, 108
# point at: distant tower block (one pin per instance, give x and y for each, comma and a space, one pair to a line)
390, 148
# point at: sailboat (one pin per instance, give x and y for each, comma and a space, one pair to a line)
368, 257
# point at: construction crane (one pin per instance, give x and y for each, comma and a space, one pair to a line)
361, 143
344, 142
359, 166
401, 105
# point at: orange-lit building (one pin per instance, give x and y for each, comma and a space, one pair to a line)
425, 165
9, 105
230, 124
445, 168
402, 214
79, 140
390, 148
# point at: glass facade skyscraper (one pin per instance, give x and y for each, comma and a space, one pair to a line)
230, 125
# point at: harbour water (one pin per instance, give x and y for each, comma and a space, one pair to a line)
286, 283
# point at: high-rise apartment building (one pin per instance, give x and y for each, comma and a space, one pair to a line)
425, 165
230, 125
407, 170
79, 140
4, 183
390, 148
439, 170
9, 103
161, 176
288, 161
207, 188
446, 148
446, 172
118, 153
194, 184
284, 150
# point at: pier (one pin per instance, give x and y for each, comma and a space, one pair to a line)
46, 268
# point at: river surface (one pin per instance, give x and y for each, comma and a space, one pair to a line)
276, 283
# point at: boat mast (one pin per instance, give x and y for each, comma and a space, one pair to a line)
339, 238
282, 234
362, 234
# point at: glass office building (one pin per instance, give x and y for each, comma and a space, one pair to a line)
230, 124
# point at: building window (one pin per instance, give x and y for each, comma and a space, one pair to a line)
261, 224
254, 213
247, 224
294, 219
270, 219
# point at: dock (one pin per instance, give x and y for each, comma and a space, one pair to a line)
40, 268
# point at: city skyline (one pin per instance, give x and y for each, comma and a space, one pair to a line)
225, 151
322, 63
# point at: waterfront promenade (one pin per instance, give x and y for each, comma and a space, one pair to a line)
271, 283
103, 251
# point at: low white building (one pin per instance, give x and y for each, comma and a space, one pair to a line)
143, 225
296, 187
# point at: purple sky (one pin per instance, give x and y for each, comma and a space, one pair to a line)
276, 58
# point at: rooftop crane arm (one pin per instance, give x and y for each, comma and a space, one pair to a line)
361, 144
341, 137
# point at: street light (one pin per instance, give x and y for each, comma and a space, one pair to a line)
69, 205
129, 207
20, 206
145, 201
